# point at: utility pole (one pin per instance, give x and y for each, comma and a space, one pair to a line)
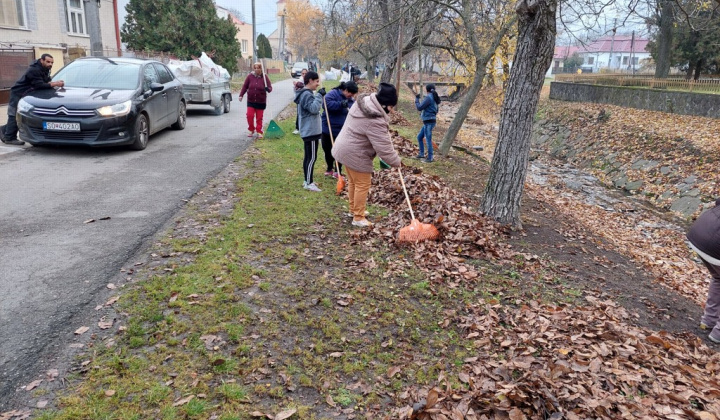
254, 47
92, 19
632, 52
612, 43
281, 48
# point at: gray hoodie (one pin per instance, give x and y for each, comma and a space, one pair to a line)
309, 106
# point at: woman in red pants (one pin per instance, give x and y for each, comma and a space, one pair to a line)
257, 85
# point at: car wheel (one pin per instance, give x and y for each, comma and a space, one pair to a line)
220, 108
142, 133
182, 117
227, 104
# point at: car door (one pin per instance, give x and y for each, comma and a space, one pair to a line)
172, 88
155, 102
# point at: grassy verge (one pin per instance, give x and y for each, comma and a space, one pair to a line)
277, 310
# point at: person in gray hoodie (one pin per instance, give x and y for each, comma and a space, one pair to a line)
309, 105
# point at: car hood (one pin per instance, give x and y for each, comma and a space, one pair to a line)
77, 98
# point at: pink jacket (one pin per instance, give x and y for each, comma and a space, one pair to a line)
365, 135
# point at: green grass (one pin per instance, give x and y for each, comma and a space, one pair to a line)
256, 284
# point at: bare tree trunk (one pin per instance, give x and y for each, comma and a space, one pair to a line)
481, 61
533, 55
662, 61
698, 68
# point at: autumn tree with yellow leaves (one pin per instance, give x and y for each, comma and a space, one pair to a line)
305, 23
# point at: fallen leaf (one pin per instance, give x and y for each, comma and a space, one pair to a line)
285, 414
183, 401
81, 330
42, 404
32, 385
110, 286
109, 392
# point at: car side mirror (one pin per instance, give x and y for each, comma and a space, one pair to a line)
156, 87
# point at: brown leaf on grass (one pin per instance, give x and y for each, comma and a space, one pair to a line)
432, 398
329, 400
173, 297
336, 354
81, 330
52, 374
109, 392
183, 401
285, 414
112, 300
104, 325
42, 404
259, 414
392, 371
218, 362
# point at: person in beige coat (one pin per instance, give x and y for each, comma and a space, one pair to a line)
366, 135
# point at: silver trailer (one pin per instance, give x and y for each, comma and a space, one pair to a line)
217, 95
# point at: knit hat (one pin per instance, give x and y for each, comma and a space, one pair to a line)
430, 87
387, 94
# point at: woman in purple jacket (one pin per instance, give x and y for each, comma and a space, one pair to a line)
704, 238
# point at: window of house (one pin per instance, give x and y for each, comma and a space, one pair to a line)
244, 45
625, 60
75, 17
12, 13
635, 61
591, 60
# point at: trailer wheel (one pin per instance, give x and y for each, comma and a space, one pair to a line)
221, 107
228, 99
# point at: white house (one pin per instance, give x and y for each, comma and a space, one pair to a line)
615, 53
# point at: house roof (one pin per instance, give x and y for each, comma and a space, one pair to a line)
564, 52
620, 44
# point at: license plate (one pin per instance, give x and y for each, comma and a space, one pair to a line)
61, 126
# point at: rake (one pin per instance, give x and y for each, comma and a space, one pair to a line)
416, 231
340, 180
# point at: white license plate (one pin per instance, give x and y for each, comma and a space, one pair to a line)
61, 126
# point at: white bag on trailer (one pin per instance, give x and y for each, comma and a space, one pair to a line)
200, 70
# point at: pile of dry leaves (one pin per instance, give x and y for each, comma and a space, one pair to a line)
554, 362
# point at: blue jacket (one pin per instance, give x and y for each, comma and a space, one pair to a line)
428, 107
309, 105
338, 107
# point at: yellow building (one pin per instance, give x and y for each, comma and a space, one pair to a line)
244, 31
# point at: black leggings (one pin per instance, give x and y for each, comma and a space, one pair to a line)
327, 148
311, 146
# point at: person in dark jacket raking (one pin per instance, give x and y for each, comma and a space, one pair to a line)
36, 77
704, 238
339, 100
257, 85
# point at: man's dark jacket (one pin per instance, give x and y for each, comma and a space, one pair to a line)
36, 77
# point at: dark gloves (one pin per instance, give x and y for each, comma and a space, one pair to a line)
417, 96
344, 103
322, 92
267, 89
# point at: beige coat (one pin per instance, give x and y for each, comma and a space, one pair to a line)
364, 136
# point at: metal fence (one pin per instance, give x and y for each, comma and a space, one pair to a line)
702, 85
13, 64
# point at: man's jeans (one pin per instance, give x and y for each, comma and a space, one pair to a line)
11, 129
426, 133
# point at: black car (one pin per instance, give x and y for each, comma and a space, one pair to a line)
105, 102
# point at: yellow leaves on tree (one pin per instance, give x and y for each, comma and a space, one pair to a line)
305, 28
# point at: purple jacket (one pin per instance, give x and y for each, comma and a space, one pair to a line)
255, 88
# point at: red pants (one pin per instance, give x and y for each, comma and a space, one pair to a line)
255, 119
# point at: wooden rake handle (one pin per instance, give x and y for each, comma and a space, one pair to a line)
407, 197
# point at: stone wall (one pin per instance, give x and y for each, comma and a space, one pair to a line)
687, 103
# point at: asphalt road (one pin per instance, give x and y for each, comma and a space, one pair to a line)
52, 265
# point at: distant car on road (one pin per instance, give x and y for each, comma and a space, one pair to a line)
298, 67
105, 102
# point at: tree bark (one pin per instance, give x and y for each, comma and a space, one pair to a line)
533, 55
664, 48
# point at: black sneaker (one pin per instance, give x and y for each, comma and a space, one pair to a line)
419, 157
2, 133
428, 160
14, 142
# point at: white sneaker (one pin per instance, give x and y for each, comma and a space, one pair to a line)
311, 187
296, 132
367, 213
362, 223
251, 134
259, 135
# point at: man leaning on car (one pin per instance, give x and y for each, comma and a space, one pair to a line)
36, 77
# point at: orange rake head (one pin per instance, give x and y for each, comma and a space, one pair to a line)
417, 232
340, 185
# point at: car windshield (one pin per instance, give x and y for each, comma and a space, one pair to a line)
300, 65
100, 74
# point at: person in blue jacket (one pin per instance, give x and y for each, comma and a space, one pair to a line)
429, 110
339, 100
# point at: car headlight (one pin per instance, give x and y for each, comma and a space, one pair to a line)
117, 110
24, 106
